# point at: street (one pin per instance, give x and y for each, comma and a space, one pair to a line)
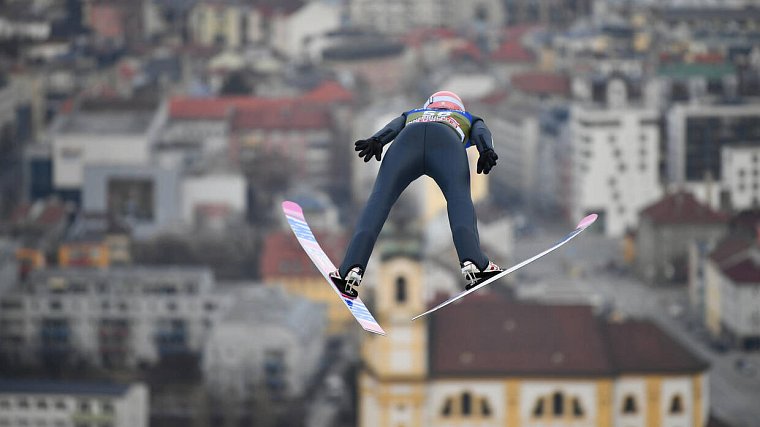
580, 268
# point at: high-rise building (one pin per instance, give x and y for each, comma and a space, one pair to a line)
616, 154
697, 135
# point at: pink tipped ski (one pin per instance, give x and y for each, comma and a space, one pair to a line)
585, 222
305, 237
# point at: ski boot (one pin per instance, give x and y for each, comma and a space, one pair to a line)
475, 277
346, 285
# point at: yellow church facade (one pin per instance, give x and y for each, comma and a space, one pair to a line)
491, 361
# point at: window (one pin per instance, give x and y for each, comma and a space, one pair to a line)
84, 406
446, 411
42, 404
401, 289
485, 408
60, 404
629, 405
577, 408
538, 409
466, 404
469, 405
676, 405
23, 403
558, 404
107, 407
5, 404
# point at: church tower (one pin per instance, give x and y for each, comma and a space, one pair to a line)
392, 384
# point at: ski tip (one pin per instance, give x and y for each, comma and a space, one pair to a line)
585, 222
291, 206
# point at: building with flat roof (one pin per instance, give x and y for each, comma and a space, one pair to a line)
69, 404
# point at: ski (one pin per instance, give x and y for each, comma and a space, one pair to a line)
301, 229
582, 225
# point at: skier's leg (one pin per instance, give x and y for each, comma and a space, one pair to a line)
401, 165
446, 162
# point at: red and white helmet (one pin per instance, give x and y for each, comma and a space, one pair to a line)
445, 99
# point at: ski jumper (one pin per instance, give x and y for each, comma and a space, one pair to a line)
428, 142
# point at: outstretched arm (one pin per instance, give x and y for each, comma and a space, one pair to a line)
391, 130
373, 146
480, 135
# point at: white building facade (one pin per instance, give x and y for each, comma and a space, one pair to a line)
616, 164
267, 338
400, 16
741, 177
96, 137
118, 317
69, 404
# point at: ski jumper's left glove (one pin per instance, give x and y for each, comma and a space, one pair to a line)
487, 160
368, 148
480, 135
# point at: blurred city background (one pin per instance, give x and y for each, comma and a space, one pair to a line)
147, 276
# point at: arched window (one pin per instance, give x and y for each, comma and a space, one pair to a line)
485, 408
629, 405
676, 405
577, 408
538, 409
466, 404
401, 289
558, 404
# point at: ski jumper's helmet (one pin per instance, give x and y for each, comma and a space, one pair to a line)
446, 100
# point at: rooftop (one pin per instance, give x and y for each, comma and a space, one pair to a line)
541, 83
60, 387
545, 340
738, 257
282, 255
682, 208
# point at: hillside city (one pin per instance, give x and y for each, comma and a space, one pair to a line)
148, 276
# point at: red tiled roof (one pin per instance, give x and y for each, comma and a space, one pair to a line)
495, 97
280, 117
512, 51
418, 36
745, 272
467, 50
729, 248
208, 108
637, 346
736, 257
282, 255
542, 83
517, 32
218, 108
709, 58
682, 208
489, 336
330, 92
51, 213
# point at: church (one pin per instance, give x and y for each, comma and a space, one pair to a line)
493, 361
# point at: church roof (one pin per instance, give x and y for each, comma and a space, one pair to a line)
489, 336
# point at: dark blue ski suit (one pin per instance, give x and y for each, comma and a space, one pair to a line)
428, 142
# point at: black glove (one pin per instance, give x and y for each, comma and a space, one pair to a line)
368, 148
486, 161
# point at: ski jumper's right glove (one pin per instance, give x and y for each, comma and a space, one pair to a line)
487, 160
368, 148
